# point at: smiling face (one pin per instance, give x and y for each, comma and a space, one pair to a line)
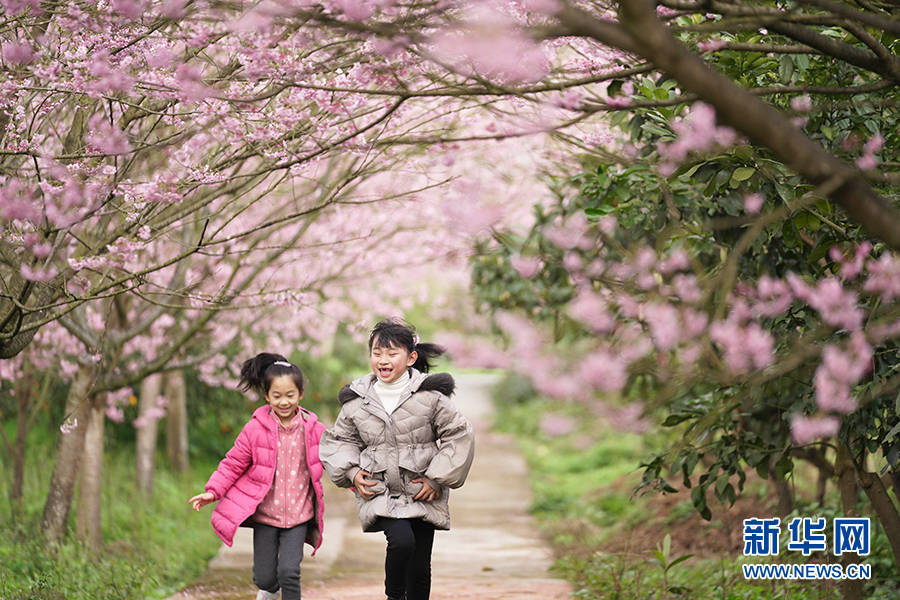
284, 398
390, 362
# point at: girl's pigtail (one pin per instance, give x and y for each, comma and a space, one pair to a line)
426, 352
254, 369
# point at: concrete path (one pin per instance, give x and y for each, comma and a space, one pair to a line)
492, 552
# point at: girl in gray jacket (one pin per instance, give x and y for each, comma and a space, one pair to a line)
401, 444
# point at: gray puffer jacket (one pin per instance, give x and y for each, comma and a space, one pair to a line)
425, 436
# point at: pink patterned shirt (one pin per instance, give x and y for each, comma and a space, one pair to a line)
289, 501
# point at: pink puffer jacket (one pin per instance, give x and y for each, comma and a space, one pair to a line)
245, 475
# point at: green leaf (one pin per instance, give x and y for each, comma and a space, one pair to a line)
742, 173
785, 68
680, 559
783, 467
673, 420
692, 170
820, 250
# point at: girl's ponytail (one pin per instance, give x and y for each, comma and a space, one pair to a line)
258, 372
426, 351
394, 332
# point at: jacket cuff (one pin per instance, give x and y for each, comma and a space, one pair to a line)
212, 491
351, 475
434, 484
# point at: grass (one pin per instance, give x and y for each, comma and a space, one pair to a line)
152, 546
610, 543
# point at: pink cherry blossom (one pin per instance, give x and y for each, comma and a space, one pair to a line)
745, 347
686, 288
68, 426
572, 262
105, 138
624, 98
604, 370
665, 326
547, 7
18, 202
801, 103
570, 99
17, 54
39, 274
526, 266
774, 297
868, 160
489, 44
355, 10
839, 370
14, 7
389, 48
190, 83
556, 425
851, 268
711, 45
753, 203
109, 78
696, 132
172, 9
555, 385
41, 250
807, 429
837, 306
884, 276
874, 144
589, 308
679, 260
130, 9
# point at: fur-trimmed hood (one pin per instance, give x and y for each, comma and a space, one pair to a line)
418, 382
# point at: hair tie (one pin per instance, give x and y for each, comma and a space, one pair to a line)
415, 340
282, 363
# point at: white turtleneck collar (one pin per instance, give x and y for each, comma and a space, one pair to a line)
389, 393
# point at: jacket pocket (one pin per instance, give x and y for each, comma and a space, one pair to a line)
369, 462
414, 461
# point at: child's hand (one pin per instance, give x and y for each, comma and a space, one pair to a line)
201, 500
427, 493
361, 482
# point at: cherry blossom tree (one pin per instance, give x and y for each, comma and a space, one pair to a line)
163, 129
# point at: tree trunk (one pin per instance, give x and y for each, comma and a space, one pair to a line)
782, 490
18, 451
68, 457
885, 509
90, 488
851, 589
176, 421
145, 452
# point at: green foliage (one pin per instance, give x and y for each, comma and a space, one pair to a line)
152, 547
585, 508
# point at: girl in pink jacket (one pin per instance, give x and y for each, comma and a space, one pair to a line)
271, 480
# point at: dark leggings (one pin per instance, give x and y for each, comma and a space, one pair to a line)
407, 563
277, 554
